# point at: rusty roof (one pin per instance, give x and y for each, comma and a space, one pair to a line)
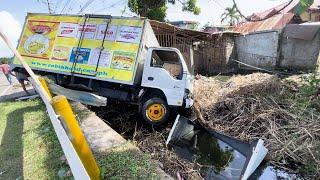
275, 22
273, 10
305, 31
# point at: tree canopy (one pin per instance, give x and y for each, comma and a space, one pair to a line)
156, 9
302, 6
231, 15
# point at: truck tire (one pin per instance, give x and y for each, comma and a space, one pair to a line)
155, 111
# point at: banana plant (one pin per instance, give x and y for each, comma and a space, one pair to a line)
302, 6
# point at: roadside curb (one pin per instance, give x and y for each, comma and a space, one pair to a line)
15, 91
102, 138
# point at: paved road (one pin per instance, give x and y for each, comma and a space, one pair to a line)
12, 92
4, 84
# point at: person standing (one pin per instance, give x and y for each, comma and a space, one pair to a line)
5, 68
22, 77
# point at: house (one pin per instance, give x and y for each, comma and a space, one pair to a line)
294, 48
185, 24
204, 53
313, 12
282, 17
216, 28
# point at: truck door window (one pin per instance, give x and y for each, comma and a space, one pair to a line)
168, 60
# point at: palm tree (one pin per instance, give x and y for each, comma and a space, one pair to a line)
231, 15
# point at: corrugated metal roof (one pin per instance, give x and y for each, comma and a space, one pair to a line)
305, 31
275, 22
273, 10
163, 27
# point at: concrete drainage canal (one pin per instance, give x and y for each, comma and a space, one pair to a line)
191, 151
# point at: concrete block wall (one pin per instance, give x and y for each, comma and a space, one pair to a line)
299, 54
272, 49
258, 49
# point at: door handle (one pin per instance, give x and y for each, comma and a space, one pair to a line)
150, 78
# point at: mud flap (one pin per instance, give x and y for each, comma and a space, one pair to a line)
184, 130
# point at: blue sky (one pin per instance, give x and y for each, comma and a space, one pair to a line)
13, 12
19, 8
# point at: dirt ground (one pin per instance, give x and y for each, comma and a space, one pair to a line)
284, 112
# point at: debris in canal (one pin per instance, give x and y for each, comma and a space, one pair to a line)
126, 121
282, 112
195, 141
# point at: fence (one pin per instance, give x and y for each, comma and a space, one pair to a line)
210, 56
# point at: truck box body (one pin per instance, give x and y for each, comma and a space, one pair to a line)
114, 57
79, 45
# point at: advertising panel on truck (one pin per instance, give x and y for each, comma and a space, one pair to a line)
73, 44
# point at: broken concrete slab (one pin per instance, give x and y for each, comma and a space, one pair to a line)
102, 138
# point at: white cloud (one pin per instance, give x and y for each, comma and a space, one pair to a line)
10, 27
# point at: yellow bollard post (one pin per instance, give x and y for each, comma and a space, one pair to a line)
63, 108
45, 86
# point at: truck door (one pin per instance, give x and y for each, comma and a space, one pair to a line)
165, 69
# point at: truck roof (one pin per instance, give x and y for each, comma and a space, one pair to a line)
91, 15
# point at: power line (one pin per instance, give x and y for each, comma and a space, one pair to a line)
123, 10
85, 6
65, 5
130, 14
77, 2
57, 4
49, 7
218, 3
111, 6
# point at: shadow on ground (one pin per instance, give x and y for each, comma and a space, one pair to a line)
11, 149
29, 146
15, 95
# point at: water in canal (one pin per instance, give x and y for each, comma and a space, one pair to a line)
221, 161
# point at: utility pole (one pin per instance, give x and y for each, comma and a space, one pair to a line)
49, 7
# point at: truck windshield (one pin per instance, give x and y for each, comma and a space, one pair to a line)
168, 60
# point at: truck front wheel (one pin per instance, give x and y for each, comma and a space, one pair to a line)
155, 111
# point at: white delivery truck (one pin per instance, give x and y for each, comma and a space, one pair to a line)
114, 57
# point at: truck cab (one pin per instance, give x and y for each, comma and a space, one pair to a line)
166, 72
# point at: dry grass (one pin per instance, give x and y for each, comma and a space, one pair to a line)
154, 144
126, 121
282, 113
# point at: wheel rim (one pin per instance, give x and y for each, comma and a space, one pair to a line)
155, 112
